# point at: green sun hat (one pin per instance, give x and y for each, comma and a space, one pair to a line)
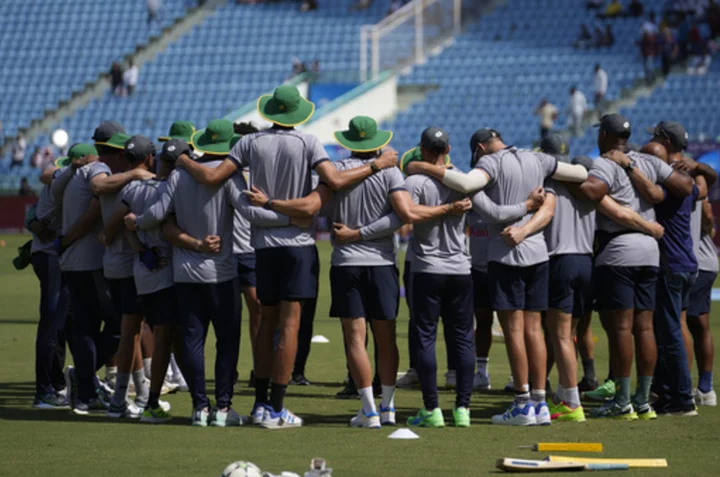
285, 107
117, 141
363, 135
180, 130
77, 151
415, 154
217, 139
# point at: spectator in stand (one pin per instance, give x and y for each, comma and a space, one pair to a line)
25, 189
576, 111
116, 79
316, 66
36, 159
650, 26
130, 78
18, 151
697, 44
613, 10
308, 5
713, 18
668, 49
609, 38
594, 4
600, 85
548, 113
585, 38
599, 39
297, 67
153, 7
647, 51
635, 9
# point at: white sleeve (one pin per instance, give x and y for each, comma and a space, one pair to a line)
468, 183
570, 172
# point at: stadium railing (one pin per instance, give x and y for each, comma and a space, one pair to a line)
407, 36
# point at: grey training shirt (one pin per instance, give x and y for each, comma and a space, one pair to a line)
48, 211
572, 229
438, 246
139, 196
281, 163
703, 245
361, 205
514, 174
85, 253
118, 257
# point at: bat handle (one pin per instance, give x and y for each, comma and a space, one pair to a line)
607, 467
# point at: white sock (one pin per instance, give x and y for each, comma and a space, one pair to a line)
388, 397
537, 396
572, 397
174, 366
121, 389
482, 364
141, 387
559, 394
110, 372
147, 364
367, 399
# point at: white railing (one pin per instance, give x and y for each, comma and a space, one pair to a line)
407, 36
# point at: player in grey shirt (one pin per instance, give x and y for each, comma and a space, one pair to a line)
207, 284
627, 263
281, 160
54, 296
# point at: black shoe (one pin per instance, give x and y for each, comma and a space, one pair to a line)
299, 380
348, 392
587, 385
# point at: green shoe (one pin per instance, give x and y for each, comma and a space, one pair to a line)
461, 417
427, 419
563, 412
155, 416
645, 412
602, 393
612, 410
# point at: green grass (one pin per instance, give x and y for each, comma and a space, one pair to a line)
42, 443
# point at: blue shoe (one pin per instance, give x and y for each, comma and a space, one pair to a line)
387, 416
257, 413
542, 414
369, 421
280, 420
517, 415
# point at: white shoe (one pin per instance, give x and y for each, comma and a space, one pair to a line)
164, 405
368, 421
179, 380
705, 399
200, 417
409, 380
257, 415
130, 411
228, 418
481, 382
168, 387
542, 414
450, 379
387, 416
280, 420
517, 416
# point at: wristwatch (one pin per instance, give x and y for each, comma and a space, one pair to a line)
268, 205
629, 168
374, 167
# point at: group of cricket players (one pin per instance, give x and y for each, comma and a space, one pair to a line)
138, 251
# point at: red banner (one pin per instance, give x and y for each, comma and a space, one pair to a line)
12, 212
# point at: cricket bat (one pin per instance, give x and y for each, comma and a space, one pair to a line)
632, 463
565, 447
523, 465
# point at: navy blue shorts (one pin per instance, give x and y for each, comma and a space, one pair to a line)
701, 294
365, 292
571, 287
518, 288
623, 288
161, 307
287, 274
481, 290
124, 295
246, 269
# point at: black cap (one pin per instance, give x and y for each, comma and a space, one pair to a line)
584, 161
138, 148
616, 124
435, 138
673, 132
482, 135
172, 149
106, 130
554, 144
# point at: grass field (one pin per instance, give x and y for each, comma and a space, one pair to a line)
54, 443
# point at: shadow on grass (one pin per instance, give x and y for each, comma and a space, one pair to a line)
18, 322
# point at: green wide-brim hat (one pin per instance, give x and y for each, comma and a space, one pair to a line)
415, 154
117, 141
363, 135
180, 130
217, 139
285, 107
63, 162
